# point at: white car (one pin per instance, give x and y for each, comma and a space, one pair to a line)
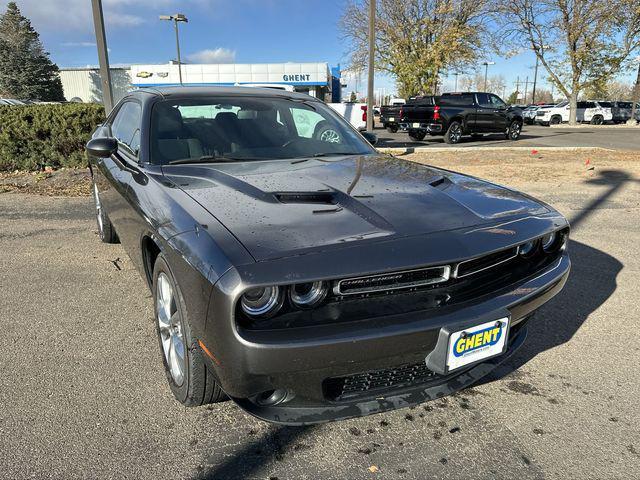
529, 113
354, 113
589, 111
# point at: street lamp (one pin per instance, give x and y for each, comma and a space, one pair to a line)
486, 71
178, 17
455, 89
535, 74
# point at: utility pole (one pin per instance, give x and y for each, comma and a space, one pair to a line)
526, 88
517, 88
535, 80
371, 73
103, 56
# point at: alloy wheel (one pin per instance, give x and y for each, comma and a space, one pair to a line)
514, 130
456, 133
170, 327
330, 136
99, 217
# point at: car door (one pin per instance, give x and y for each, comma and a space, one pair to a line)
482, 121
500, 118
119, 168
584, 112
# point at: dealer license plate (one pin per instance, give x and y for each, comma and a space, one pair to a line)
416, 125
392, 119
477, 343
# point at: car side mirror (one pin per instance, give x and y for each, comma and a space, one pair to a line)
102, 147
372, 138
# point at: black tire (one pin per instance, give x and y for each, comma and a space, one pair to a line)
597, 120
514, 130
326, 133
555, 120
198, 385
417, 136
106, 230
392, 129
454, 133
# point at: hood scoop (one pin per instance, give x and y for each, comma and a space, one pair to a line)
314, 198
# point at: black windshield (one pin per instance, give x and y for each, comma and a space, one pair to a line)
249, 128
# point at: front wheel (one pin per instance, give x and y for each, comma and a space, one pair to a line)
555, 120
189, 377
597, 120
392, 129
514, 130
106, 230
454, 133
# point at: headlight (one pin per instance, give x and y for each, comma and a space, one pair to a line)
261, 301
307, 295
549, 241
528, 248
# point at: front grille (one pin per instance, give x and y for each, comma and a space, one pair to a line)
393, 281
376, 381
476, 265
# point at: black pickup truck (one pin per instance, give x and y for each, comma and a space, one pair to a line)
390, 116
456, 114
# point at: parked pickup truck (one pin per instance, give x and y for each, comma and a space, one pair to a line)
390, 115
354, 113
457, 114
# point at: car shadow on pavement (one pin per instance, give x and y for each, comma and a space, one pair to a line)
249, 461
592, 280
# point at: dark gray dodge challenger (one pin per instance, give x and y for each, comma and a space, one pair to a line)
302, 274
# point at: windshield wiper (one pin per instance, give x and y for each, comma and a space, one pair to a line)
207, 159
330, 154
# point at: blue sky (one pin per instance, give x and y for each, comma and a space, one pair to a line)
244, 31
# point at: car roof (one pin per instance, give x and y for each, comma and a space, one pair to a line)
208, 91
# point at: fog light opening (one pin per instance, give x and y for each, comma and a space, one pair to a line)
271, 397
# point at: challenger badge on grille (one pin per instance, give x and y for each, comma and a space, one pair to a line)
392, 281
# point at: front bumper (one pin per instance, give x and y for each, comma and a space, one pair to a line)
427, 127
300, 360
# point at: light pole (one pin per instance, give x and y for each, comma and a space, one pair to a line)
178, 17
486, 71
103, 56
455, 74
371, 71
635, 96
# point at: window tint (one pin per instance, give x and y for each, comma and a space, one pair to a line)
483, 100
496, 101
246, 128
605, 104
455, 100
126, 126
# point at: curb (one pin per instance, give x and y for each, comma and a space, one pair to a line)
405, 150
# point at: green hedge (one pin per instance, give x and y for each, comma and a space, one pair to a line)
35, 136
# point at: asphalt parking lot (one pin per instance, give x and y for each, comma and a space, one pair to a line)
83, 394
618, 137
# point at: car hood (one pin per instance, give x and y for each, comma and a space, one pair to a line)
282, 208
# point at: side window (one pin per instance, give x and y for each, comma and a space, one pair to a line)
305, 121
483, 100
497, 101
126, 126
582, 104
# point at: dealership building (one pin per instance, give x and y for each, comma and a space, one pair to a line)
315, 79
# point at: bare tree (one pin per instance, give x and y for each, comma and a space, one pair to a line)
416, 40
495, 83
578, 42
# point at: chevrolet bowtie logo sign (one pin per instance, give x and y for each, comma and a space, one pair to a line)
144, 74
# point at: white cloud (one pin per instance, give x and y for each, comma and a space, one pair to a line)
214, 55
78, 44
